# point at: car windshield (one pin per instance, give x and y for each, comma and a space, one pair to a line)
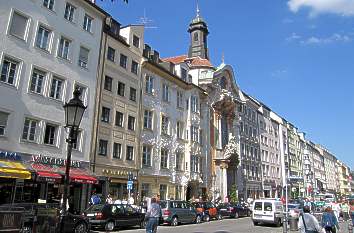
95, 208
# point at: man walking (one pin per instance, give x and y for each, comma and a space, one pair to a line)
153, 215
308, 223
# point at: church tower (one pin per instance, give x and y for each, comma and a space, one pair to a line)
198, 31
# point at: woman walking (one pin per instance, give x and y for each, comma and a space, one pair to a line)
329, 221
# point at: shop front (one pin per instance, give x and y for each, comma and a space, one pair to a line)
158, 186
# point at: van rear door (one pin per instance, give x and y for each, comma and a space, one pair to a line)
258, 210
268, 211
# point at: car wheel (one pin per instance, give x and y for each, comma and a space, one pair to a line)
219, 217
81, 228
206, 218
174, 221
236, 215
109, 226
255, 223
27, 229
198, 219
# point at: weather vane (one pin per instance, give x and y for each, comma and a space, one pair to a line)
146, 21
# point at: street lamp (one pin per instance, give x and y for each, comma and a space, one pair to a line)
74, 110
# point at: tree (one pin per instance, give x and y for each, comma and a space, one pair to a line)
233, 194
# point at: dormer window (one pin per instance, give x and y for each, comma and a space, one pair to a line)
136, 41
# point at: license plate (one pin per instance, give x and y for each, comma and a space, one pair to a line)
90, 215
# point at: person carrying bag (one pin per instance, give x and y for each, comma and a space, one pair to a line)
329, 221
308, 223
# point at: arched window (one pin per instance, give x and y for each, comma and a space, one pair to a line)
223, 82
196, 36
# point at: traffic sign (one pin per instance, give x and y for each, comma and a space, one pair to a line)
130, 185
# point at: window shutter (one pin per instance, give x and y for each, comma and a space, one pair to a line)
18, 25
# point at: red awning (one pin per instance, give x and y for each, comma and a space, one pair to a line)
46, 173
82, 176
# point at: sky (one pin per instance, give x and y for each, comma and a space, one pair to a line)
296, 56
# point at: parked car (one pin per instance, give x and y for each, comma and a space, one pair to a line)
111, 216
267, 211
207, 210
234, 210
44, 216
176, 212
294, 210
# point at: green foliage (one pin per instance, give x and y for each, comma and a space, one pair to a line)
233, 194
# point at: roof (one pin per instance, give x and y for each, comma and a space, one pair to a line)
194, 61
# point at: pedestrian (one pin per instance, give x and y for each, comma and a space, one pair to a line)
308, 223
95, 199
329, 221
152, 216
109, 199
345, 211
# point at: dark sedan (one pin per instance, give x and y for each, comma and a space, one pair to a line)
233, 210
111, 216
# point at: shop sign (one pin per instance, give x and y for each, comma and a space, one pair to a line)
116, 172
267, 187
54, 161
10, 155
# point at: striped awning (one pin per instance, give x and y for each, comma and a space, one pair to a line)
11, 169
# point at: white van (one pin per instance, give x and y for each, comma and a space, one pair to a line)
267, 211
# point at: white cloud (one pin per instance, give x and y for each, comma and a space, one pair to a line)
293, 36
341, 7
281, 73
313, 40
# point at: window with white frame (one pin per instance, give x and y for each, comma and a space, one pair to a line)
149, 84
163, 191
180, 129
130, 153
56, 88
29, 132
103, 147
37, 81
69, 12
108, 83
9, 70
3, 122
83, 57
43, 37
123, 61
18, 25
165, 122
77, 140
179, 99
164, 158
131, 123
121, 89
165, 92
87, 25
179, 161
111, 53
132, 94
119, 119
145, 190
194, 134
147, 155
50, 133
64, 47
105, 114
148, 119
117, 150
194, 103
134, 67
48, 4
136, 41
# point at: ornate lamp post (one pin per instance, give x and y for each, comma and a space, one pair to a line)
74, 110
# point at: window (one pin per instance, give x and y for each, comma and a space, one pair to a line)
3, 122
83, 57
195, 163
123, 61
119, 119
29, 130
9, 71
179, 130
179, 161
56, 88
121, 89
102, 147
105, 114
194, 133
164, 158
163, 191
164, 125
148, 119
145, 190
147, 155
195, 36
184, 74
131, 123
117, 150
50, 134
132, 94
134, 68
87, 23
165, 93
48, 4
37, 81
149, 84
179, 99
69, 12
82, 90
64, 46
77, 141
194, 103
110, 54
18, 25
130, 153
136, 41
42, 40
108, 83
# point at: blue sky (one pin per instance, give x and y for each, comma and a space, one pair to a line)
296, 56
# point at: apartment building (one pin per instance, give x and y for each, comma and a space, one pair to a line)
344, 185
48, 49
330, 163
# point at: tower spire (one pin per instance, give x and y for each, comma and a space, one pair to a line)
198, 11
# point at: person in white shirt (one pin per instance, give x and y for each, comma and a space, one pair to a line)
308, 222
